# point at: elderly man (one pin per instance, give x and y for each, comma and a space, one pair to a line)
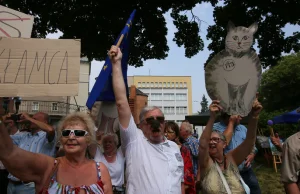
186, 133
237, 136
290, 170
153, 164
40, 139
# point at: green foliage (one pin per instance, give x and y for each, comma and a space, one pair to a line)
271, 15
204, 104
279, 85
279, 94
98, 23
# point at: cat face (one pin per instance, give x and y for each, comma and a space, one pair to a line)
240, 39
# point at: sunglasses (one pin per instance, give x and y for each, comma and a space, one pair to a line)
149, 120
76, 132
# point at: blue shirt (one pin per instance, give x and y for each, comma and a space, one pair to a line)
37, 143
238, 136
193, 144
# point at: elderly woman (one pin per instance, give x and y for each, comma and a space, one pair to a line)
72, 173
219, 172
114, 160
172, 133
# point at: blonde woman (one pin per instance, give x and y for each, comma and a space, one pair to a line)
72, 173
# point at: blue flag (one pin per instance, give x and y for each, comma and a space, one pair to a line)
103, 89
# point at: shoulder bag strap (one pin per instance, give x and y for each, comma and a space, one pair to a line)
223, 179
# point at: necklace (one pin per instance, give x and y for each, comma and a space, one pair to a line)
110, 156
220, 163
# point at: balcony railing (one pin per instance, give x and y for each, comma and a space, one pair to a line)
51, 108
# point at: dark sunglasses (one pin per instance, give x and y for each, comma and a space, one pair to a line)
149, 120
77, 133
216, 139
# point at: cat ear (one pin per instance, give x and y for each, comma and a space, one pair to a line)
253, 28
230, 26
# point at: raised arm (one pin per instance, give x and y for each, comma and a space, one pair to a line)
119, 88
27, 166
230, 128
239, 154
128, 128
206, 134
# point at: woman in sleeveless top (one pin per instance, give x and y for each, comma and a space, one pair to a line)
114, 160
73, 173
219, 172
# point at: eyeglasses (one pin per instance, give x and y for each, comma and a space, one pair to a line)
76, 132
216, 139
161, 119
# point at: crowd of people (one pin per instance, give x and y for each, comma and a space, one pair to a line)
154, 157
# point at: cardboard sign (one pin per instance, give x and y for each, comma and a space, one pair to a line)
39, 67
14, 23
233, 75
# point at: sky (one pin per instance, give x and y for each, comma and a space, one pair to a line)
176, 64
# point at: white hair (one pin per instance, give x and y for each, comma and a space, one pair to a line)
187, 126
115, 137
147, 109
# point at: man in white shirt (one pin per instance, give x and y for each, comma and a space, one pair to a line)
153, 164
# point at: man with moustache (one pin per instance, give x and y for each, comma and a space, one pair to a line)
40, 139
153, 164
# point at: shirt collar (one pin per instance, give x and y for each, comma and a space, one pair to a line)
165, 142
237, 128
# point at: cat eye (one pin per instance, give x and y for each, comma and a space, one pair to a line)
245, 37
235, 37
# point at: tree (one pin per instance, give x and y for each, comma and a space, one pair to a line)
98, 23
271, 15
204, 104
279, 85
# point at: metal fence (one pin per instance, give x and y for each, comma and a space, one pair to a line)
51, 108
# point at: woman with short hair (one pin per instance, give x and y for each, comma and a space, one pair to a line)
114, 160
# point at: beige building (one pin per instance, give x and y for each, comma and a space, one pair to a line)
173, 94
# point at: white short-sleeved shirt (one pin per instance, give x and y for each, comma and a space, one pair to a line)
116, 169
150, 168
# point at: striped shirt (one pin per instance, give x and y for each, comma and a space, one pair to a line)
37, 143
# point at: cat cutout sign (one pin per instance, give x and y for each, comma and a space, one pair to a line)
233, 75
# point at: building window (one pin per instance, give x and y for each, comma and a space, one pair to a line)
152, 85
181, 96
168, 84
164, 84
181, 110
176, 85
148, 85
169, 96
169, 110
54, 106
139, 84
172, 85
156, 96
35, 106
180, 84
143, 84
184, 84
155, 84
160, 84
